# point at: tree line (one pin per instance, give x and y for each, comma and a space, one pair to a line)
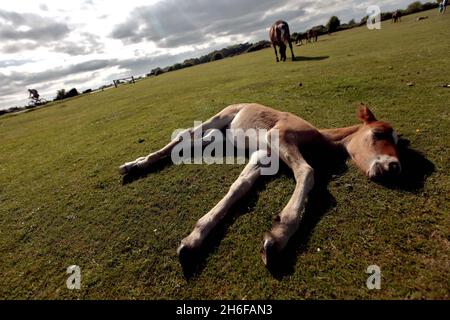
215, 55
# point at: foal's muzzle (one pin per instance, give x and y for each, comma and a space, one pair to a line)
385, 169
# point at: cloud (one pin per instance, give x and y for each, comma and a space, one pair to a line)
30, 26
13, 62
173, 23
18, 81
28, 31
88, 44
87, 5
18, 46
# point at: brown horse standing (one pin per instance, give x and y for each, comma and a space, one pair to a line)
279, 34
312, 35
397, 16
300, 37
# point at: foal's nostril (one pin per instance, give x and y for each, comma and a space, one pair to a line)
394, 167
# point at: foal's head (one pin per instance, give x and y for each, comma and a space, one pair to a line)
373, 147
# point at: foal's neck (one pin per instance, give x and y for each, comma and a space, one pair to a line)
329, 151
340, 136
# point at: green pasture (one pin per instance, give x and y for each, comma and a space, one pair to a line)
62, 201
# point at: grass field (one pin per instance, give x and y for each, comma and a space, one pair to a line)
63, 201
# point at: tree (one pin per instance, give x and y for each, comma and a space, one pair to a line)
429, 5
333, 24
363, 20
72, 93
216, 56
60, 94
414, 7
157, 71
352, 22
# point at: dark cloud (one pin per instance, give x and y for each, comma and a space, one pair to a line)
29, 26
89, 44
173, 23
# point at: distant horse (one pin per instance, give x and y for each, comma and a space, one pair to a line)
300, 37
396, 17
279, 34
312, 35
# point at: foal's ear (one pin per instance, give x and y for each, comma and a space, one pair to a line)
365, 114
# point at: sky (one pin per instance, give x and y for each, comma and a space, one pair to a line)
49, 45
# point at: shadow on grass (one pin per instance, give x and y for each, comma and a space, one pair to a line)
301, 58
194, 263
415, 170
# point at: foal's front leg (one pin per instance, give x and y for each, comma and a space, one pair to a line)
287, 222
238, 189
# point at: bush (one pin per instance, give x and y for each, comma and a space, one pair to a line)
72, 93
216, 56
177, 66
429, 5
259, 46
386, 16
156, 71
62, 94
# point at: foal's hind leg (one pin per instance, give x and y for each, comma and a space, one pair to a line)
143, 163
219, 121
237, 190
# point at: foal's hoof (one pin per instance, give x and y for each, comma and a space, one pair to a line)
186, 254
270, 251
188, 259
124, 169
128, 169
